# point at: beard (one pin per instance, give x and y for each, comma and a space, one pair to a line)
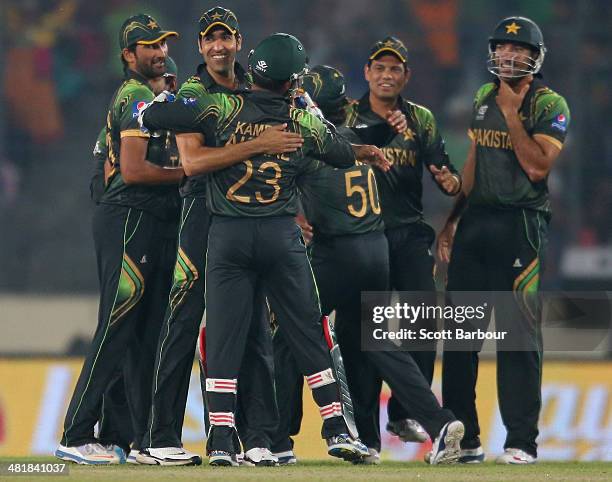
151, 68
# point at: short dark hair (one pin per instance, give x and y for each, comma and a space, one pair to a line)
131, 48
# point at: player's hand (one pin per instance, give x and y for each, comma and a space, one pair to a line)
508, 101
397, 120
306, 228
164, 96
277, 140
446, 180
444, 243
371, 155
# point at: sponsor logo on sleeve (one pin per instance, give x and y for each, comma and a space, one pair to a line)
560, 123
137, 106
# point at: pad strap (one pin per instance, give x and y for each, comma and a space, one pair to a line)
222, 385
334, 409
221, 418
320, 379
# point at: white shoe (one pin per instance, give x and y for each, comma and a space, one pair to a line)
259, 456
286, 458
515, 457
131, 458
88, 454
472, 456
372, 459
118, 450
169, 456
446, 448
408, 430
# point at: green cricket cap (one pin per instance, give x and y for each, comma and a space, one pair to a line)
326, 86
389, 45
218, 17
171, 68
278, 57
142, 29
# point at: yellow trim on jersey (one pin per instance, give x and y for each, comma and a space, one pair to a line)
134, 133
555, 142
471, 135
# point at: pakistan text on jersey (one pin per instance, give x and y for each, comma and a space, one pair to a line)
492, 138
399, 157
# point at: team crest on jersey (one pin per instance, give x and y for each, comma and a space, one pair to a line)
137, 107
482, 110
560, 123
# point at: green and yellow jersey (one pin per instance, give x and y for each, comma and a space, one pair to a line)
100, 153
121, 122
264, 185
200, 84
499, 179
415, 149
340, 202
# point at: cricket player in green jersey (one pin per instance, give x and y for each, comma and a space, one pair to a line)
349, 255
501, 221
253, 238
130, 223
219, 40
116, 426
100, 152
420, 147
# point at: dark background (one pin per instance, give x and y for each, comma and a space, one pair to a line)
60, 65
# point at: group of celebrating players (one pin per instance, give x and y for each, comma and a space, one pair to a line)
270, 199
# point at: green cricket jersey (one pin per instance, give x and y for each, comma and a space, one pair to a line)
418, 147
122, 121
499, 180
200, 84
339, 202
264, 185
100, 153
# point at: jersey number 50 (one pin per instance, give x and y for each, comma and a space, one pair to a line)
352, 189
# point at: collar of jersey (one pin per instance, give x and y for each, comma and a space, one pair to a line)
132, 74
208, 82
363, 105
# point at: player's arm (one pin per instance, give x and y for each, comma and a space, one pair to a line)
136, 169
446, 236
197, 158
134, 166
434, 154
536, 154
333, 149
179, 116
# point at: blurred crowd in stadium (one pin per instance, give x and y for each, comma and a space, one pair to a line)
60, 65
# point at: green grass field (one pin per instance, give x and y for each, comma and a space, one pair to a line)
330, 470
